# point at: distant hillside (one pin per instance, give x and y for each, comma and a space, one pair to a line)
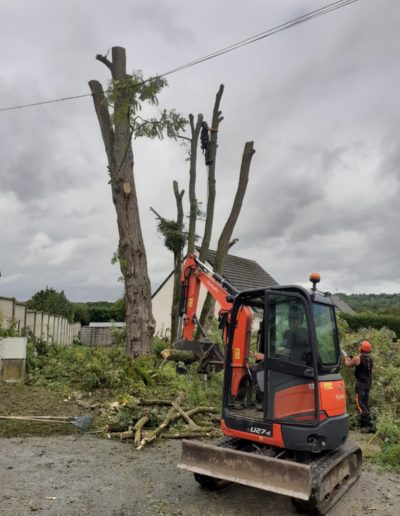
378, 303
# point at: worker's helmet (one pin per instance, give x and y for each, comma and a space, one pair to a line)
365, 347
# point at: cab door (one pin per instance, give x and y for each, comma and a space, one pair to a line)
290, 379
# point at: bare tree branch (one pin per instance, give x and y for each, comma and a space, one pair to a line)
105, 61
103, 116
211, 175
195, 131
224, 240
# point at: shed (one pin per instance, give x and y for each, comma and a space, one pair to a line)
100, 333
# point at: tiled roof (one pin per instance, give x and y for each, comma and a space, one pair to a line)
242, 273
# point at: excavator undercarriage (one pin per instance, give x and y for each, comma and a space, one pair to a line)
314, 482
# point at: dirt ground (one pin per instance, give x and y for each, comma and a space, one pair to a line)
56, 470
84, 474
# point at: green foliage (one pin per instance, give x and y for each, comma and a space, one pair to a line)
81, 313
377, 303
86, 368
52, 302
159, 345
174, 237
369, 319
105, 311
8, 332
123, 264
385, 390
119, 309
198, 390
127, 98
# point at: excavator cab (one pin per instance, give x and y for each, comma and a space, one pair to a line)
294, 397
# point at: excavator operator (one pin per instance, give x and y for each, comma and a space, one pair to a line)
296, 341
295, 347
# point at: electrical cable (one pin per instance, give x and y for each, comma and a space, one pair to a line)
252, 39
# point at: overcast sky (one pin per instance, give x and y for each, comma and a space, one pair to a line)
320, 101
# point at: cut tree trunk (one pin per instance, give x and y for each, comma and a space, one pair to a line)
224, 243
178, 355
117, 137
195, 130
213, 145
177, 266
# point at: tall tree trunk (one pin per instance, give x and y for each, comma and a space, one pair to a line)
177, 266
195, 130
216, 119
117, 138
224, 243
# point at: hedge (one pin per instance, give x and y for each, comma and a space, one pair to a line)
372, 320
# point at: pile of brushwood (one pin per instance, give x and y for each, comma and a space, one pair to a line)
166, 419
385, 391
143, 400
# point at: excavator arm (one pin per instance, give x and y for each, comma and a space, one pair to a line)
194, 274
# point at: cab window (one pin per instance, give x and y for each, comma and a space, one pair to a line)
325, 329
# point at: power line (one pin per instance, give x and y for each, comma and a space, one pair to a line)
252, 39
270, 32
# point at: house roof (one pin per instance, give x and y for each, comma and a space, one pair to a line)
242, 273
342, 306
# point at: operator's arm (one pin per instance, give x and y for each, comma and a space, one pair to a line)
351, 362
259, 356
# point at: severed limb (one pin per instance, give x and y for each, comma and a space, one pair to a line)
171, 416
138, 430
185, 416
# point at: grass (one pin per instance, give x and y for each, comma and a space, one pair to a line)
59, 380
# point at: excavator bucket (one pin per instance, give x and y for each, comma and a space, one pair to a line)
255, 470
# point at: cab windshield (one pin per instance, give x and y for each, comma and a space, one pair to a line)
325, 329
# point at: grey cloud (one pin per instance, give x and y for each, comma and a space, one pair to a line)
319, 101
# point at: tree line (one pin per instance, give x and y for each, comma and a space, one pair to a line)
52, 302
388, 304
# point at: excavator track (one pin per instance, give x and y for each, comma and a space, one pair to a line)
314, 484
332, 475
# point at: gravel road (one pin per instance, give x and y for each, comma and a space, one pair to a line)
75, 475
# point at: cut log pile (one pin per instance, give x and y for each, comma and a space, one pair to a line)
142, 436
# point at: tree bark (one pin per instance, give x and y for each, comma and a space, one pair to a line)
224, 243
216, 119
179, 355
138, 430
195, 131
177, 266
131, 251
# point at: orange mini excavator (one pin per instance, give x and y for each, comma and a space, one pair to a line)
284, 417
